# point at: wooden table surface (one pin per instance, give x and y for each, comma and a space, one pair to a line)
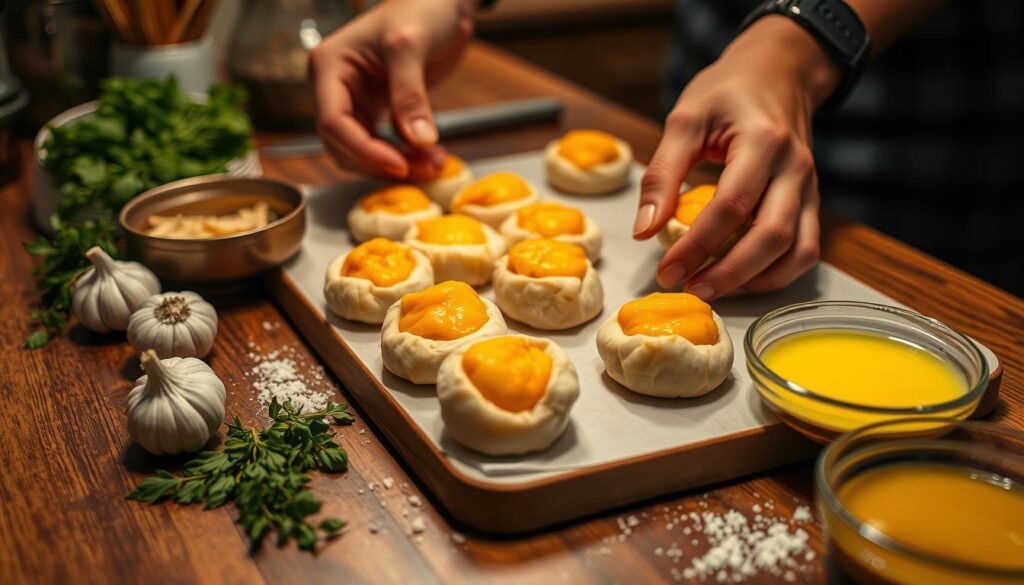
66, 460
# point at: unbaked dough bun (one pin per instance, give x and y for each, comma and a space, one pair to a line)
547, 219
362, 283
547, 284
666, 345
458, 246
493, 198
690, 204
454, 176
588, 162
423, 327
507, 395
390, 212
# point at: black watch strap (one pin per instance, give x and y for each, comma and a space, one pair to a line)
836, 26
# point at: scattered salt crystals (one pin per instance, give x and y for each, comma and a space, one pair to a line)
267, 326
802, 514
756, 509
658, 552
458, 537
374, 529
278, 377
632, 521
418, 525
372, 486
415, 501
388, 482
361, 491
361, 431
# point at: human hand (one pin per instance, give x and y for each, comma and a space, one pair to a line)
751, 110
383, 61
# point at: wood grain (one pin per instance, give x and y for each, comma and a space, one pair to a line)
67, 460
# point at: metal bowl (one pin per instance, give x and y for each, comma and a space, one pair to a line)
216, 260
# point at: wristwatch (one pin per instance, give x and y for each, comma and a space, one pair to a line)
835, 26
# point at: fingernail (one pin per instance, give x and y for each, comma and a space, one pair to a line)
671, 275
644, 219
703, 290
423, 132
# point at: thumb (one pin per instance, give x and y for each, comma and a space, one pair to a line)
410, 106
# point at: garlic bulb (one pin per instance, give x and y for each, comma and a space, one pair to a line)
174, 324
107, 294
176, 406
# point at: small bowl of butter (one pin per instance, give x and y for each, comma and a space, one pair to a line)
826, 368
215, 229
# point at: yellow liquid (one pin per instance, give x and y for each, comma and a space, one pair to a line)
865, 369
956, 513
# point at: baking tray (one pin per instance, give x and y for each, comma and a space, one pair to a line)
620, 447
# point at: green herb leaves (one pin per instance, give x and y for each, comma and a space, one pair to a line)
63, 262
144, 133
264, 472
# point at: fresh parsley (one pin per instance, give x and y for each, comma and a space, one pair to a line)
264, 472
144, 133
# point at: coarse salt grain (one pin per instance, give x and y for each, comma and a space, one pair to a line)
418, 525
802, 514
388, 483
278, 377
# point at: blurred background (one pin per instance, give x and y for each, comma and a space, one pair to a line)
628, 51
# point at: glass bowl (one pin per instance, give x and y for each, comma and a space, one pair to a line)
823, 418
863, 552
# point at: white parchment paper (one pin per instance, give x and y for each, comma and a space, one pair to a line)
608, 421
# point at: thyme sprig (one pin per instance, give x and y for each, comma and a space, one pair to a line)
265, 473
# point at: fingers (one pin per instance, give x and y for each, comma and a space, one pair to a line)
770, 236
345, 137
679, 150
750, 163
800, 258
406, 54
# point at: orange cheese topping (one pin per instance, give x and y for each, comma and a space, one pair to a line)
381, 261
445, 311
588, 148
692, 202
396, 199
451, 230
509, 371
549, 219
661, 314
453, 165
542, 257
492, 190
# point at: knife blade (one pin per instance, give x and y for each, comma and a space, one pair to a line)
450, 123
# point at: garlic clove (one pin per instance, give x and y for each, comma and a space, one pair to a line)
107, 294
176, 406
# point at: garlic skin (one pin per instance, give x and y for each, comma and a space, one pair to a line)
174, 324
176, 406
107, 294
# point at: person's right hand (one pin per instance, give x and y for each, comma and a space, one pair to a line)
383, 61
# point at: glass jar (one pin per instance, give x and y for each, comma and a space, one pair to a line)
269, 52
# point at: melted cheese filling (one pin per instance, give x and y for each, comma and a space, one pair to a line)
453, 165
381, 261
588, 148
662, 314
397, 200
509, 372
540, 257
549, 219
493, 190
451, 230
445, 311
692, 202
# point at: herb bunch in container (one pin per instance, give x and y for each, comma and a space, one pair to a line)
94, 158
